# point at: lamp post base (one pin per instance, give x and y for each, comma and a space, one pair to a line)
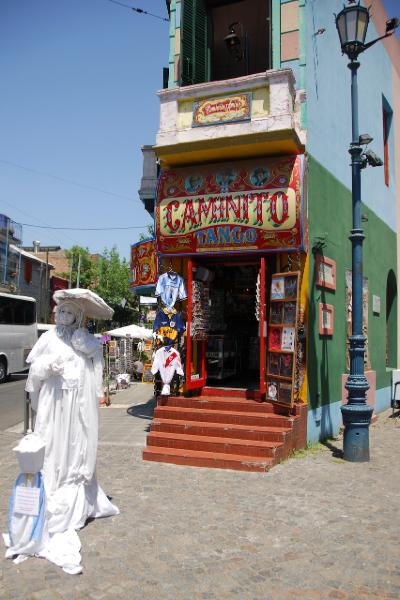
356, 421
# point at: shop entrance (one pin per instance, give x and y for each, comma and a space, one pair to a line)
227, 315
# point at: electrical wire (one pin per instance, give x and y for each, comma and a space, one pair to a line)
139, 10
83, 228
65, 180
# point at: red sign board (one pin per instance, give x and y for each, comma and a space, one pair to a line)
143, 264
250, 206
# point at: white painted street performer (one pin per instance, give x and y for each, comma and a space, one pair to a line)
65, 384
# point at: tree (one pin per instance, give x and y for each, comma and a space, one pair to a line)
150, 233
113, 285
83, 267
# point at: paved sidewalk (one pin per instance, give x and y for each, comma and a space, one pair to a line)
314, 527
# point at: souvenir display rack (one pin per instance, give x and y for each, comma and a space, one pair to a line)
282, 337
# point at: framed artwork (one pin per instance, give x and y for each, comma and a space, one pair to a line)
325, 272
326, 314
291, 286
288, 338
276, 313
289, 313
275, 337
277, 288
286, 365
272, 390
274, 364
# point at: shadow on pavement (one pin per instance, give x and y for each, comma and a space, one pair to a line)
336, 452
143, 411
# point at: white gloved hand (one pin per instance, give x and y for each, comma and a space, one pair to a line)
57, 367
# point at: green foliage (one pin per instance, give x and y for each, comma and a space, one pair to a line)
113, 281
109, 276
150, 233
84, 269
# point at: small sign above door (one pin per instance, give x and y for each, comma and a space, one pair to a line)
225, 109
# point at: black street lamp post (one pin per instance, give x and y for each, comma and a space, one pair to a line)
352, 23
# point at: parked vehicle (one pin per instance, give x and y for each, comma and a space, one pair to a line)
18, 332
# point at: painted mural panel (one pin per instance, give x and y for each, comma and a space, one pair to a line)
228, 109
247, 206
144, 263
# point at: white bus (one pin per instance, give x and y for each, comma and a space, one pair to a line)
18, 332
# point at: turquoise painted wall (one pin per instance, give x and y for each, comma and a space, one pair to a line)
328, 105
329, 209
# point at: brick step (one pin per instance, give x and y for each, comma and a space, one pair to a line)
196, 458
245, 432
223, 416
219, 403
215, 444
232, 392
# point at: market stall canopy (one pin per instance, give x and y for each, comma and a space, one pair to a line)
92, 305
134, 331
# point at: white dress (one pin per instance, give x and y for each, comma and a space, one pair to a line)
65, 380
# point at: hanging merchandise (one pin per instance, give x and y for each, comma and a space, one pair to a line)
257, 313
169, 324
170, 287
200, 310
167, 362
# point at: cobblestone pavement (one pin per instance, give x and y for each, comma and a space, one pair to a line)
315, 527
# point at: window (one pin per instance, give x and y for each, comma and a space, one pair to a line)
27, 271
17, 312
206, 23
391, 320
387, 114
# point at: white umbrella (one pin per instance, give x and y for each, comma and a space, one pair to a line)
134, 331
92, 305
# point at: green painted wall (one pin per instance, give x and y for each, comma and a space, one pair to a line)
329, 222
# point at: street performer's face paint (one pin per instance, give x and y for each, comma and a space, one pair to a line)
66, 314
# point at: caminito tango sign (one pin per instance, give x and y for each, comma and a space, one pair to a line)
248, 206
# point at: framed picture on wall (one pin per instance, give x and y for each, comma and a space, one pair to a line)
325, 272
326, 313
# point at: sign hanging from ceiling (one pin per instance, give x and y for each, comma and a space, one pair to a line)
248, 206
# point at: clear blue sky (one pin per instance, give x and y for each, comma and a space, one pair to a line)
77, 100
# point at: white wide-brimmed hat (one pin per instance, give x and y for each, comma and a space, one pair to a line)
90, 303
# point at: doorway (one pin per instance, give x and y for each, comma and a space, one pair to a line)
232, 312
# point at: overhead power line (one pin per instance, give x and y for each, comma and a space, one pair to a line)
83, 228
65, 180
139, 10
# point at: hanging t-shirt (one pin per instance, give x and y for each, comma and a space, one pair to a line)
170, 287
168, 362
169, 324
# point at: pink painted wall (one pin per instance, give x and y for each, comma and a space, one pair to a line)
392, 46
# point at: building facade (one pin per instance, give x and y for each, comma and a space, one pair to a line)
253, 201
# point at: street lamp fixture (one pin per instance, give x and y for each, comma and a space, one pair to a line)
234, 41
352, 24
237, 43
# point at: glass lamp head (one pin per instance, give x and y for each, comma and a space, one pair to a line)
352, 24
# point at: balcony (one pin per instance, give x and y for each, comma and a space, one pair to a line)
255, 115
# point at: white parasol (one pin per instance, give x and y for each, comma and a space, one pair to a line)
92, 305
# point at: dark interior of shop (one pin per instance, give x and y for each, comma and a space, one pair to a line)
233, 341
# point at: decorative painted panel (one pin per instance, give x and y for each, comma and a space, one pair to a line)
144, 264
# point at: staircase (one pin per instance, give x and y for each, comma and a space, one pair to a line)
225, 429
